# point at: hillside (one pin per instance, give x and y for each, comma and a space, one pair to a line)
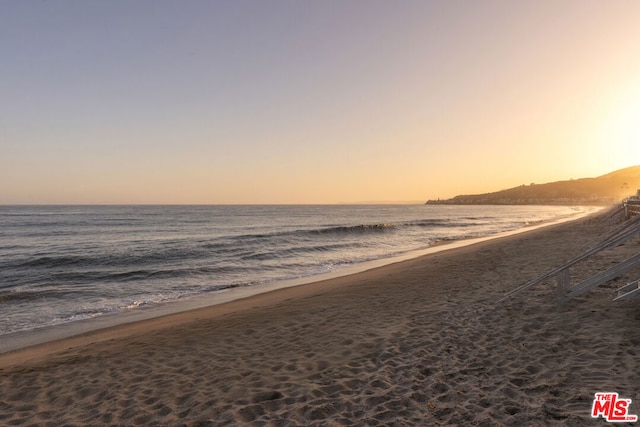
604, 189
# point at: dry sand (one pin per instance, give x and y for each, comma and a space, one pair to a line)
420, 342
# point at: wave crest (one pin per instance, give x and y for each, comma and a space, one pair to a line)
355, 229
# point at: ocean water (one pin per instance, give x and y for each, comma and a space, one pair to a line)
59, 264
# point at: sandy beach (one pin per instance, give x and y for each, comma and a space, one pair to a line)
420, 342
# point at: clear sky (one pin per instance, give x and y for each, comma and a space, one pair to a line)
328, 101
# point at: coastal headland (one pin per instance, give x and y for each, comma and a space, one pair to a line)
603, 190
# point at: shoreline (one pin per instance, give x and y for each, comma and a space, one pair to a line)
17, 341
418, 342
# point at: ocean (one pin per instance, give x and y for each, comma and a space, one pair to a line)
60, 264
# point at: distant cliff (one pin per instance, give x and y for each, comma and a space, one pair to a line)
604, 189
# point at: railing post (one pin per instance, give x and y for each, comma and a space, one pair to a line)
562, 283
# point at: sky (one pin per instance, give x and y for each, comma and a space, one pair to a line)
332, 101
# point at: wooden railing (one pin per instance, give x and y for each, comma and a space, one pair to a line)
631, 207
565, 291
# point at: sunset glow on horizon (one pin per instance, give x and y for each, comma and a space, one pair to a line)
233, 102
